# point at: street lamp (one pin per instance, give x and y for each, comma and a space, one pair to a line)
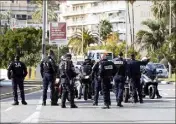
44, 29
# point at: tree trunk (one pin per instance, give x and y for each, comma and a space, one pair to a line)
133, 25
130, 23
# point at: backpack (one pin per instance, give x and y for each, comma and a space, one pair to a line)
86, 69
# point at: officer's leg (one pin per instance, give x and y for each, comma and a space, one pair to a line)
134, 94
108, 91
139, 90
105, 93
92, 86
51, 80
157, 92
120, 93
45, 88
96, 89
71, 94
116, 87
64, 95
89, 89
79, 88
21, 87
15, 95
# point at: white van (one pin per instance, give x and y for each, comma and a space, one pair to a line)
96, 54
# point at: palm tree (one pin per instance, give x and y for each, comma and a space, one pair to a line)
76, 40
161, 10
129, 20
37, 15
155, 37
132, 2
105, 29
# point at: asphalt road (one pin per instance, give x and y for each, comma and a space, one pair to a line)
151, 111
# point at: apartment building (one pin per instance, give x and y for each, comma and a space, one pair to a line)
89, 13
19, 12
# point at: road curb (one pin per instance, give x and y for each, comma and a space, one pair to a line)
29, 90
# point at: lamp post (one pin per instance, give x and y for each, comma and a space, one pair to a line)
44, 29
126, 20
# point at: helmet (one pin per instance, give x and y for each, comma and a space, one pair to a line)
68, 56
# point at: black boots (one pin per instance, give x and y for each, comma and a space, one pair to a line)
44, 103
17, 103
24, 102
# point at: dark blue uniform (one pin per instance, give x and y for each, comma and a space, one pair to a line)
67, 73
97, 82
48, 72
17, 71
134, 73
90, 88
107, 70
119, 79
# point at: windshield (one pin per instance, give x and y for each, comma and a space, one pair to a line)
79, 63
160, 66
108, 55
150, 66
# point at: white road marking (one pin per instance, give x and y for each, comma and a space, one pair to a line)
39, 106
25, 95
8, 109
34, 118
166, 89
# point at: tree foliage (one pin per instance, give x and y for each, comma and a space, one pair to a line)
105, 29
76, 41
27, 40
37, 15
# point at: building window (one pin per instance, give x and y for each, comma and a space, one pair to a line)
81, 7
95, 4
29, 17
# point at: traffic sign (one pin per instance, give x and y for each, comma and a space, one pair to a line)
58, 33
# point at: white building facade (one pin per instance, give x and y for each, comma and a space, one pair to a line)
19, 12
89, 13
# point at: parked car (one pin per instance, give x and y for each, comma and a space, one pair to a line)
161, 68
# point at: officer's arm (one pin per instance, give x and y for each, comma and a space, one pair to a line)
73, 70
53, 65
9, 71
126, 69
143, 63
58, 72
95, 67
114, 69
129, 70
41, 69
25, 70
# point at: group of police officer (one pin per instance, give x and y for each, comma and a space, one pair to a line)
103, 72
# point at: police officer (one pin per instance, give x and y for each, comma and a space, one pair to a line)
134, 74
143, 68
96, 81
119, 78
67, 73
48, 72
107, 70
88, 62
17, 71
